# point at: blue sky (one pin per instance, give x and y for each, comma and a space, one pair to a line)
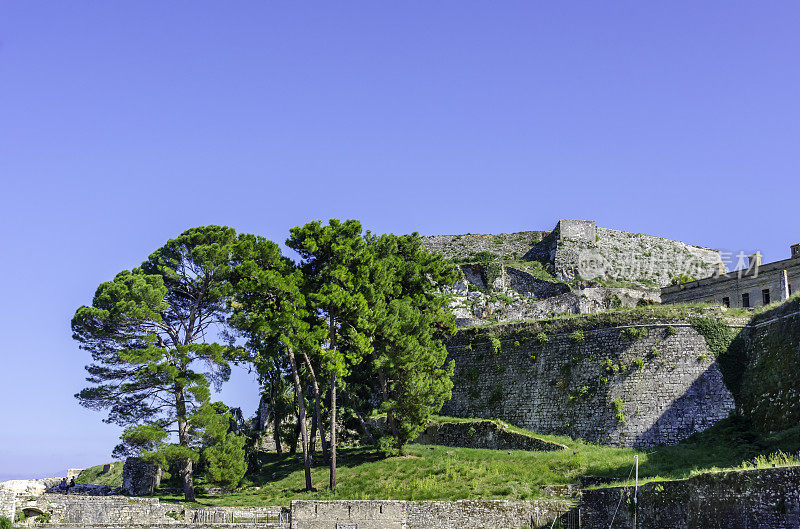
123, 123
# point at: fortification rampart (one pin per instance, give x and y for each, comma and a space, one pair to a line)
637, 379
763, 498
768, 355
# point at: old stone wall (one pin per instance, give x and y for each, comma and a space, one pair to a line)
7, 503
140, 478
757, 499
625, 256
464, 247
391, 514
770, 387
482, 434
77, 511
654, 382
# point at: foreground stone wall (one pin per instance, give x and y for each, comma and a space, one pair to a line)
105, 511
753, 499
390, 514
623, 385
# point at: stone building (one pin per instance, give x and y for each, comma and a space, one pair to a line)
758, 285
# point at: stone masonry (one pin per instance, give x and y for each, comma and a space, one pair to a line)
140, 478
752, 499
482, 434
392, 514
630, 385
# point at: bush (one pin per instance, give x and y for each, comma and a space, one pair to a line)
5, 523
577, 336
387, 445
542, 338
495, 345
616, 404
225, 462
639, 363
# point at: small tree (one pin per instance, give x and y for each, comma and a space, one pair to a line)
152, 365
225, 460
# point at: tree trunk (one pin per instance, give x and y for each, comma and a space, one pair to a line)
183, 439
276, 435
389, 414
301, 419
333, 432
333, 408
361, 420
317, 420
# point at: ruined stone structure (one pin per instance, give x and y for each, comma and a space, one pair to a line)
640, 384
140, 478
764, 499
758, 285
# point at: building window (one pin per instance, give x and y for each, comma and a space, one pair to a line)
726, 302
746, 300
765, 296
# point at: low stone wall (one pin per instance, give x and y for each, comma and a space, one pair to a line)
241, 515
754, 499
482, 434
116, 511
389, 514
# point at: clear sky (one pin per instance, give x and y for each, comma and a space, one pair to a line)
123, 123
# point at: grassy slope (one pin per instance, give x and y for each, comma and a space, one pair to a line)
428, 473
95, 475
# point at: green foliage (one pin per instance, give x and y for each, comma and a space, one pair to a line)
638, 363
542, 338
655, 353
224, 461
577, 336
671, 331
495, 346
718, 334
43, 518
635, 333
5, 523
680, 279
616, 405
387, 445
471, 432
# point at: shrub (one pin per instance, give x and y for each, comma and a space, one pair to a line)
43, 518
577, 336
634, 333
654, 352
387, 445
471, 431
495, 345
542, 338
639, 363
5, 523
671, 331
225, 461
516, 344
616, 404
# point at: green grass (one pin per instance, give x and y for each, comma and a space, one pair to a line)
445, 473
94, 475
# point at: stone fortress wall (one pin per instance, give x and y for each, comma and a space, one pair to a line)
580, 249
753, 287
638, 384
